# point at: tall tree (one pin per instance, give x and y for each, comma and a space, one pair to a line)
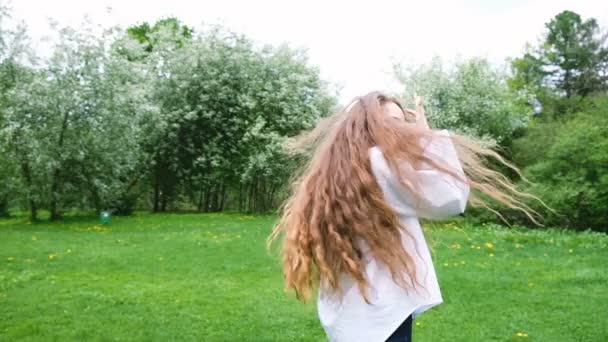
159, 44
223, 103
75, 123
572, 58
15, 70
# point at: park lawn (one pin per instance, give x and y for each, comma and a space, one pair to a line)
207, 277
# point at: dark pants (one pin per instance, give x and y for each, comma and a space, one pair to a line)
403, 332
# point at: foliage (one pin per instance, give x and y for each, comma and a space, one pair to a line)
564, 148
569, 162
145, 33
73, 125
14, 54
158, 116
222, 101
571, 59
114, 116
472, 98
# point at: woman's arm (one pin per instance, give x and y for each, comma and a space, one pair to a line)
442, 195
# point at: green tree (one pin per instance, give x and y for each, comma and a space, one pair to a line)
74, 124
472, 98
568, 161
14, 70
571, 60
222, 102
146, 34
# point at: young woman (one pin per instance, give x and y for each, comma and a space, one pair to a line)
351, 226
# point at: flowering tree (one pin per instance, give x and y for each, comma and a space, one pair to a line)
198, 119
472, 98
14, 56
74, 124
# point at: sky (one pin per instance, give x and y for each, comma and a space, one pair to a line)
354, 43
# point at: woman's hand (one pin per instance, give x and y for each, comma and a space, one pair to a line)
418, 115
421, 124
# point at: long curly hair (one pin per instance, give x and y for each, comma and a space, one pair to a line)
336, 203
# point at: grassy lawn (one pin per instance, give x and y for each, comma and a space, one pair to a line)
208, 278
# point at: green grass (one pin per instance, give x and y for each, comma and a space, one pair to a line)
188, 277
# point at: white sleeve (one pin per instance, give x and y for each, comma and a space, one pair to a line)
443, 195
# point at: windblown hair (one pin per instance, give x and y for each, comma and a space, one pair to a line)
336, 202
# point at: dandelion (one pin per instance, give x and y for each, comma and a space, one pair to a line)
477, 247
491, 254
489, 245
522, 334
52, 256
418, 324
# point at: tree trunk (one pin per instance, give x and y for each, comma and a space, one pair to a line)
200, 200
27, 175
271, 197
207, 194
240, 205
156, 196
163, 202
222, 197
55, 186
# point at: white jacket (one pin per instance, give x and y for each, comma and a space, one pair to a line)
350, 318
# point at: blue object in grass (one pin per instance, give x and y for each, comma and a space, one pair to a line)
105, 217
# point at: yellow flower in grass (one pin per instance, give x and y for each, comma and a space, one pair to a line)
491, 254
521, 334
53, 256
489, 245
